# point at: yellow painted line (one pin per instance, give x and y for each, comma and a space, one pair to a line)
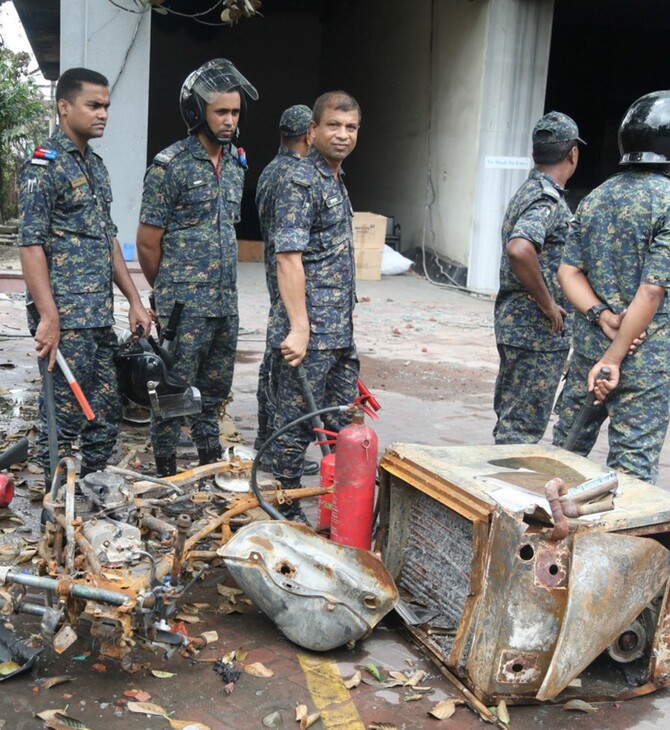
330, 695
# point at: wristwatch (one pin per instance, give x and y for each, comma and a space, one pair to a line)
593, 314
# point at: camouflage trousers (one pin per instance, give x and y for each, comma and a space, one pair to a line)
638, 411
524, 393
333, 377
90, 355
204, 355
265, 394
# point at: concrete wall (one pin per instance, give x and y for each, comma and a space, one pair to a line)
100, 36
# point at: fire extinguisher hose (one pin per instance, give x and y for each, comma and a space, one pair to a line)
253, 479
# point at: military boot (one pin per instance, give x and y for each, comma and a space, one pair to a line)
166, 466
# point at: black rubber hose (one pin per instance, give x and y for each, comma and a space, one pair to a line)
264, 504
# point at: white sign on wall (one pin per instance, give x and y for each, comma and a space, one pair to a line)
507, 163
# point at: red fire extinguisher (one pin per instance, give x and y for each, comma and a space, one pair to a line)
355, 474
326, 500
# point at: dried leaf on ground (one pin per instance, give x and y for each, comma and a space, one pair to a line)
148, 708
57, 719
257, 669
416, 678
501, 711
53, 681
8, 667
228, 592
353, 681
162, 675
579, 706
445, 708
398, 675
189, 618
137, 694
413, 698
300, 712
309, 720
382, 726
187, 725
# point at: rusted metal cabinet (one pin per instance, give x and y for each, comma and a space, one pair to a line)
506, 607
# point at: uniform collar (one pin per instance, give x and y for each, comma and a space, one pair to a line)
286, 152
537, 175
321, 164
63, 141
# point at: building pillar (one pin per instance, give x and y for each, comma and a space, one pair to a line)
115, 42
515, 78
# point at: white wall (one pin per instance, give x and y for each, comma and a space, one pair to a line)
114, 42
515, 79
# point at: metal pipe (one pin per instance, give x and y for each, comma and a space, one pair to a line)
183, 526
32, 608
68, 587
561, 528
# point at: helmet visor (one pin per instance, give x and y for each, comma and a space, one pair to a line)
217, 77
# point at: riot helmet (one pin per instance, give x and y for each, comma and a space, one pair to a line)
146, 379
644, 132
217, 76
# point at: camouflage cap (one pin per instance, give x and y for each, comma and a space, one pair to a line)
556, 127
295, 120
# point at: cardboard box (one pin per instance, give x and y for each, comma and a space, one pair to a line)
369, 235
250, 251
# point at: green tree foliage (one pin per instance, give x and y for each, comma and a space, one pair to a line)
23, 119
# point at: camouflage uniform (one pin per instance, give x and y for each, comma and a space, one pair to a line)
314, 217
65, 208
269, 184
531, 357
198, 208
621, 239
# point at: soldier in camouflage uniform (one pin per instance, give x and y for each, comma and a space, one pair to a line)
616, 263
294, 145
70, 257
531, 329
311, 322
187, 248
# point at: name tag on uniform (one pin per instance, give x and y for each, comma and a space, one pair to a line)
335, 200
197, 183
78, 181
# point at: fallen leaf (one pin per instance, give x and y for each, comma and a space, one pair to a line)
137, 694
241, 654
445, 708
353, 681
579, 706
228, 592
273, 719
300, 712
309, 720
57, 719
188, 617
256, 669
382, 726
148, 708
99, 667
162, 675
53, 681
413, 698
374, 671
399, 676
417, 677
501, 711
8, 667
187, 725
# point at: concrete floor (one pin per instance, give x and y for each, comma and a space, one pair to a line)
429, 355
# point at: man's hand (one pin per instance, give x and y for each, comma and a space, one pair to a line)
556, 316
294, 347
47, 339
601, 388
610, 324
138, 316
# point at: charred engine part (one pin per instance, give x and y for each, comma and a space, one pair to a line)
512, 607
321, 595
107, 493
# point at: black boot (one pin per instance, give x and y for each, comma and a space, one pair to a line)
166, 466
210, 456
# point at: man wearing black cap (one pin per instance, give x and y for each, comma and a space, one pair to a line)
294, 145
530, 309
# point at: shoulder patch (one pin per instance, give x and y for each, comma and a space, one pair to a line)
42, 155
303, 173
164, 157
550, 191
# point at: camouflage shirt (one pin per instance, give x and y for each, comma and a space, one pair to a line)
537, 212
270, 183
621, 239
198, 207
64, 207
313, 215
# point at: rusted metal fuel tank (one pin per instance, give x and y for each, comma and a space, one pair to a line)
511, 606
